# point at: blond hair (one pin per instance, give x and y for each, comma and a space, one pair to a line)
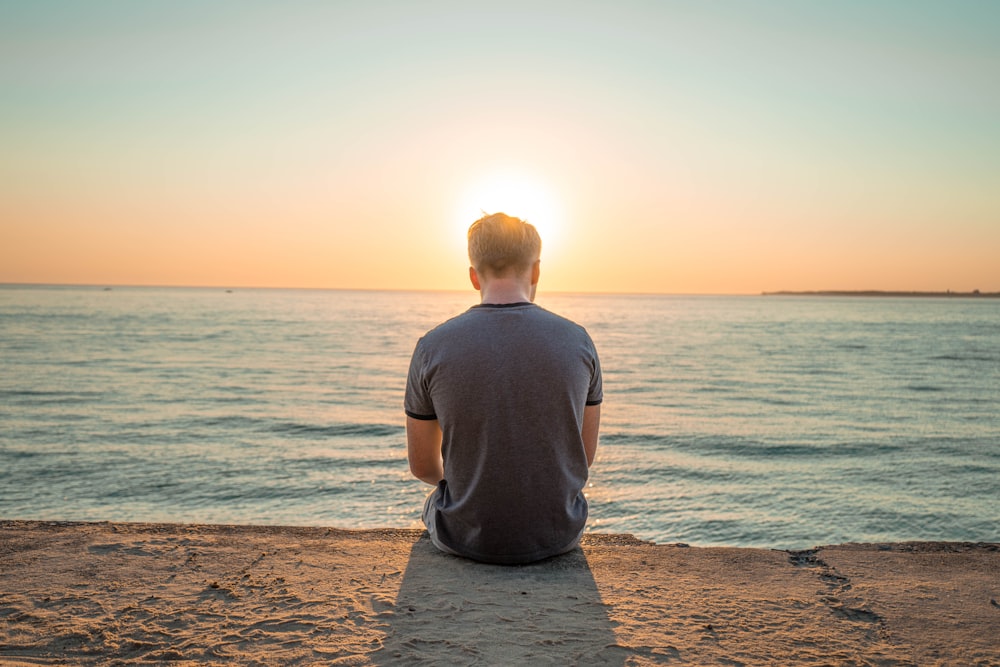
500, 243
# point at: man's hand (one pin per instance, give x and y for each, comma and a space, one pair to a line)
423, 449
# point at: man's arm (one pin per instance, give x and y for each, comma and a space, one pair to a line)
423, 449
591, 427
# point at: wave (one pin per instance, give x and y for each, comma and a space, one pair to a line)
726, 446
979, 358
298, 429
43, 397
335, 430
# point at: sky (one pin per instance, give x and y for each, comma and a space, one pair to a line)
660, 147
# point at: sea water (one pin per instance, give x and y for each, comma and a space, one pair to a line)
780, 422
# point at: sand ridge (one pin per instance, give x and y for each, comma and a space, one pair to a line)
120, 593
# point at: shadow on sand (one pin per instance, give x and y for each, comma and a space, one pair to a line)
454, 611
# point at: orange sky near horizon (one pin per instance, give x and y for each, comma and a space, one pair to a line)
660, 148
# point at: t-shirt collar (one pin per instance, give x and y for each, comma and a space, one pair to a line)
504, 305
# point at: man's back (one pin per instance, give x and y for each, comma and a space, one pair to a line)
508, 384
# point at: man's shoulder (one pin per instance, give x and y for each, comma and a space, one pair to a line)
455, 322
459, 326
557, 320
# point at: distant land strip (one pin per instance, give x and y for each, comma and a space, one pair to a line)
974, 294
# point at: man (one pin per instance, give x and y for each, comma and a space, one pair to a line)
503, 409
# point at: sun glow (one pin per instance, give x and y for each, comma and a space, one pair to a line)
514, 193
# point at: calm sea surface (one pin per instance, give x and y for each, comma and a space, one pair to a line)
781, 422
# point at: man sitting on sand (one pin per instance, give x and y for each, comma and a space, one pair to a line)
503, 406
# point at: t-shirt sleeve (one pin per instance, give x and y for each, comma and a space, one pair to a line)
417, 400
595, 393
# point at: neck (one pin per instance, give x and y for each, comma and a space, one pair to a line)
507, 290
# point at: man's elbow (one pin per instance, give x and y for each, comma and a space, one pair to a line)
417, 470
426, 472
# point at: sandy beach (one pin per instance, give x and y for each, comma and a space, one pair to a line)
107, 593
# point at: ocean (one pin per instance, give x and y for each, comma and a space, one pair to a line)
760, 421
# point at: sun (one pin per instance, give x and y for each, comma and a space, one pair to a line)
517, 193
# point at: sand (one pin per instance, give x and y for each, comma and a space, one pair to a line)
114, 593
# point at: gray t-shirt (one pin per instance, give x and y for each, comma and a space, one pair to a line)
508, 385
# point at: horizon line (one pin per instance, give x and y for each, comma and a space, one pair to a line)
351, 289
783, 292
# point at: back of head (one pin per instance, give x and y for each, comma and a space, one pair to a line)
500, 244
